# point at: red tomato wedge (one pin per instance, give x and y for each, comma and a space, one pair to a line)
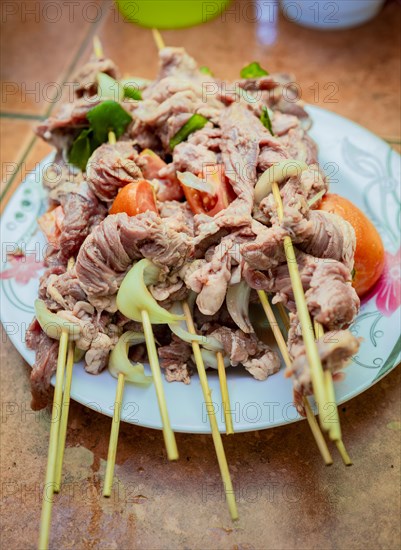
369, 251
51, 225
151, 164
203, 203
135, 198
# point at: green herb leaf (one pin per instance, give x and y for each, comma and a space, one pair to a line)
196, 122
353, 273
107, 117
265, 119
205, 70
82, 149
132, 93
253, 70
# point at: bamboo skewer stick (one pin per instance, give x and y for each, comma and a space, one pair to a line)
312, 353
97, 47
168, 434
335, 429
284, 316
115, 428
218, 443
65, 407
313, 424
224, 393
115, 424
48, 490
157, 37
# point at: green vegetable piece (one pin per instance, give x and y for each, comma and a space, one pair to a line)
120, 363
107, 117
265, 119
205, 70
196, 122
81, 149
109, 88
134, 297
353, 273
132, 93
253, 70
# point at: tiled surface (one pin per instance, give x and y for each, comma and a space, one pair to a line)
39, 44
287, 498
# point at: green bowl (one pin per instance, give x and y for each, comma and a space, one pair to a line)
170, 14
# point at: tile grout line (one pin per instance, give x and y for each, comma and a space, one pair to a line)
21, 116
4, 198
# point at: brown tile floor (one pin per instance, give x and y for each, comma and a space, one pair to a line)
287, 498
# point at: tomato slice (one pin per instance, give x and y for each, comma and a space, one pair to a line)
151, 164
203, 203
135, 198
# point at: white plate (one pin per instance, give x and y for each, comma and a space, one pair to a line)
363, 168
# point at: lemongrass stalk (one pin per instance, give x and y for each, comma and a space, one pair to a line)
97, 47
115, 428
284, 316
225, 397
158, 39
168, 434
48, 490
343, 452
65, 407
112, 138
316, 432
313, 424
312, 353
218, 443
275, 328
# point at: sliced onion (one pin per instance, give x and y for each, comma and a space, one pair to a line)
53, 325
133, 296
178, 329
120, 363
109, 88
277, 173
190, 180
237, 300
210, 359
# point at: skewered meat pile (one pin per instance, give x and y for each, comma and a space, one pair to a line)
201, 252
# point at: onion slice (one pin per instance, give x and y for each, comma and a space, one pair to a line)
53, 325
210, 359
278, 172
237, 301
134, 297
178, 329
190, 180
119, 362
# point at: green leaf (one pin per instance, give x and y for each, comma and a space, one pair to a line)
205, 70
253, 70
81, 149
107, 117
132, 93
353, 273
196, 122
265, 119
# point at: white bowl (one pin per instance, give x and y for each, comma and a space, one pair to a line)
331, 15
